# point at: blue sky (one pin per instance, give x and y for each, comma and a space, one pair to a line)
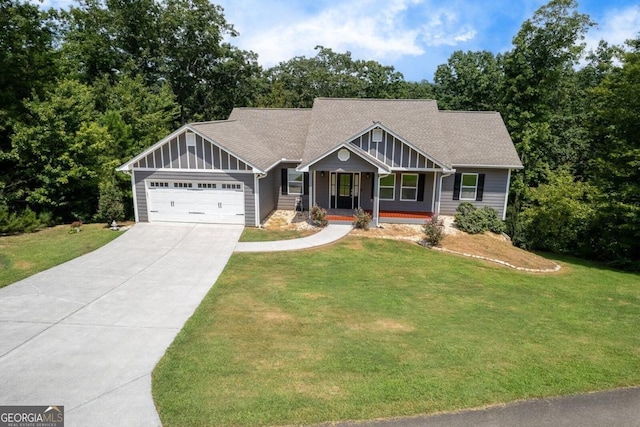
414, 36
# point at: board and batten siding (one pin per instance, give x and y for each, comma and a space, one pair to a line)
175, 154
495, 183
139, 177
392, 152
332, 163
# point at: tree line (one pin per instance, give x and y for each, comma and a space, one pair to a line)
83, 90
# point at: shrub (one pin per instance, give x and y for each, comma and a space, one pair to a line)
18, 222
110, 206
361, 219
434, 232
319, 216
474, 221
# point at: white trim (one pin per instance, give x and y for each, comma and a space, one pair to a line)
433, 195
301, 193
403, 187
416, 170
489, 166
256, 199
387, 186
135, 198
506, 196
232, 171
475, 192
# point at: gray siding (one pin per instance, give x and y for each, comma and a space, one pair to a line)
495, 182
354, 164
246, 178
286, 201
174, 154
407, 205
366, 191
392, 152
268, 193
322, 189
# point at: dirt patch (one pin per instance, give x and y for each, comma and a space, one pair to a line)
23, 265
410, 232
289, 220
383, 325
313, 296
277, 316
495, 246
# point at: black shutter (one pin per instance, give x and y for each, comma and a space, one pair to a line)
480, 187
285, 181
421, 187
305, 183
456, 186
373, 184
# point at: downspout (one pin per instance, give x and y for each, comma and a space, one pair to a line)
506, 196
256, 191
444, 175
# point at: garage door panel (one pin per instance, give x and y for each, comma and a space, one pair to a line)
196, 205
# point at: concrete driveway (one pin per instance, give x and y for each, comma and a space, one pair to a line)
88, 333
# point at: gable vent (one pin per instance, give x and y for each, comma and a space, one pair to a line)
377, 135
191, 139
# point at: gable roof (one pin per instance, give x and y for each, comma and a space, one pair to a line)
263, 137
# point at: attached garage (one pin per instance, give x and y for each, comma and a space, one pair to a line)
195, 201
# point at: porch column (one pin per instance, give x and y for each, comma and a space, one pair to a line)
376, 199
438, 187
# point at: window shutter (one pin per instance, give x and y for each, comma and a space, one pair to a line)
480, 189
456, 186
421, 187
305, 183
285, 181
373, 185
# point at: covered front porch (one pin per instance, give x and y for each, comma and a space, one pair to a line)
344, 216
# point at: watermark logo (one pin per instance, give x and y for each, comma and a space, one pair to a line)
32, 416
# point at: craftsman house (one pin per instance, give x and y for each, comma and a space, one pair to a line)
402, 160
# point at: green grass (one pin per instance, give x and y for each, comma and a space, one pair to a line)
26, 254
371, 328
251, 234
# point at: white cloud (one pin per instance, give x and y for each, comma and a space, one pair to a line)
616, 26
376, 29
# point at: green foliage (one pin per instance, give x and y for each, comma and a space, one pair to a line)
297, 82
559, 213
472, 220
433, 230
110, 206
23, 222
361, 219
319, 216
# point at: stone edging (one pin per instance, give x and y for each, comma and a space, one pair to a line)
506, 264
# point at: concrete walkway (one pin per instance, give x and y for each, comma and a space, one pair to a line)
616, 408
329, 234
87, 334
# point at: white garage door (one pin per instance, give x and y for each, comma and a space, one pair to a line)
196, 201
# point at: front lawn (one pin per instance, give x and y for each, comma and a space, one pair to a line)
27, 254
371, 328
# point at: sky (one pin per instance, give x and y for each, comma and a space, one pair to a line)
414, 36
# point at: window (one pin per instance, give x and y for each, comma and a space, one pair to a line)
158, 184
409, 187
206, 185
388, 187
295, 181
468, 186
182, 185
231, 186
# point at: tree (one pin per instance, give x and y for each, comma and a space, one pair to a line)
470, 81
297, 82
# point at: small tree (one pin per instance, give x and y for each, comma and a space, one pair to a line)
361, 219
110, 206
319, 216
434, 232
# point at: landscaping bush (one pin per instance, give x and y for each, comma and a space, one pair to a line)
472, 220
110, 206
361, 219
18, 222
319, 216
434, 232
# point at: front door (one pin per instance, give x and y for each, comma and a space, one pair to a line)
345, 191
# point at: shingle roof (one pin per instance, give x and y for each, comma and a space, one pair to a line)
335, 121
265, 136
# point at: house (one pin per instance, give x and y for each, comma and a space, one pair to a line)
385, 156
